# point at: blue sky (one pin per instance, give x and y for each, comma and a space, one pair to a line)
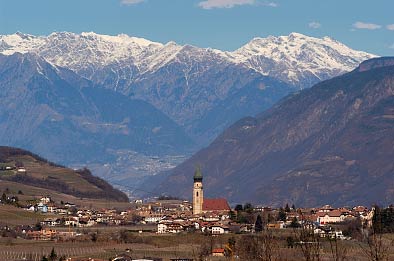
223, 24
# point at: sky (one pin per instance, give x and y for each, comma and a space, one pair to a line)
222, 24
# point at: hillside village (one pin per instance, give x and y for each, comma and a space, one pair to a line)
206, 215
66, 222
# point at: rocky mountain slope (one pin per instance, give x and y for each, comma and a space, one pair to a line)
330, 144
68, 119
192, 84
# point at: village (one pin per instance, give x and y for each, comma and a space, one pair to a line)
68, 222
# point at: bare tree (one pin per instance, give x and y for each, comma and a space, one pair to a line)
263, 246
338, 250
375, 247
373, 244
308, 241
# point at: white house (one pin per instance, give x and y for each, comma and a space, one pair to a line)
162, 227
333, 216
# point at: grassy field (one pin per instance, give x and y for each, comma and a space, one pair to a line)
11, 216
30, 192
42, 170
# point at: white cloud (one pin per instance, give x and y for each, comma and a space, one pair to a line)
210, 4
314, 25
270, 4
131, 2
390, 27
368, 26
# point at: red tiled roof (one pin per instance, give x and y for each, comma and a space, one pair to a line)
335, 213
215, 204
218, 250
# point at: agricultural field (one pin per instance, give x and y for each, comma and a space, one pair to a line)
107, 244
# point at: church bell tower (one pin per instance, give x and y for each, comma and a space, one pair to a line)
198, 197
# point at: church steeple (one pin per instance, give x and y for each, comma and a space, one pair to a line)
198, 196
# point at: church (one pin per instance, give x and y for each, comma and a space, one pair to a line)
203, 205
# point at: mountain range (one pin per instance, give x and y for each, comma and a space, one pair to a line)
191, 84
55, 112
330, 144
99, 100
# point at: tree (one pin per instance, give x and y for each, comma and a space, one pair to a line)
230, 247
204, 251
248, 207
258, 225
263, 247
282, 215
38, 226
238, 207
232, 215
338, 250
308, 241
94, 237
44, 258
4, 198
376, 247
53, 255
294, 223
287, 208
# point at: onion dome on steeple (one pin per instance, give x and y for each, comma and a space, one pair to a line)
197, 174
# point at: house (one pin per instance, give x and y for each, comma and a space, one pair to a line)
278, 225
175, 228
69, 205
21, 170
218, 252
153, 218
71, 221
42, 207
51, 208
45, 200
162, 227
44, 234
51, 222
327, 217
218, 229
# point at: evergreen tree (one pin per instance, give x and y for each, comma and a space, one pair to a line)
248, 207
238, 207
258, 226
232, 215
294, 223
287, 208
53, 255
4, 198
282, 214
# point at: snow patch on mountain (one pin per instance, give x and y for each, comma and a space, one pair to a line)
296, 59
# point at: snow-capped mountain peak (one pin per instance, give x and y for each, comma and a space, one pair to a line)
296, 59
